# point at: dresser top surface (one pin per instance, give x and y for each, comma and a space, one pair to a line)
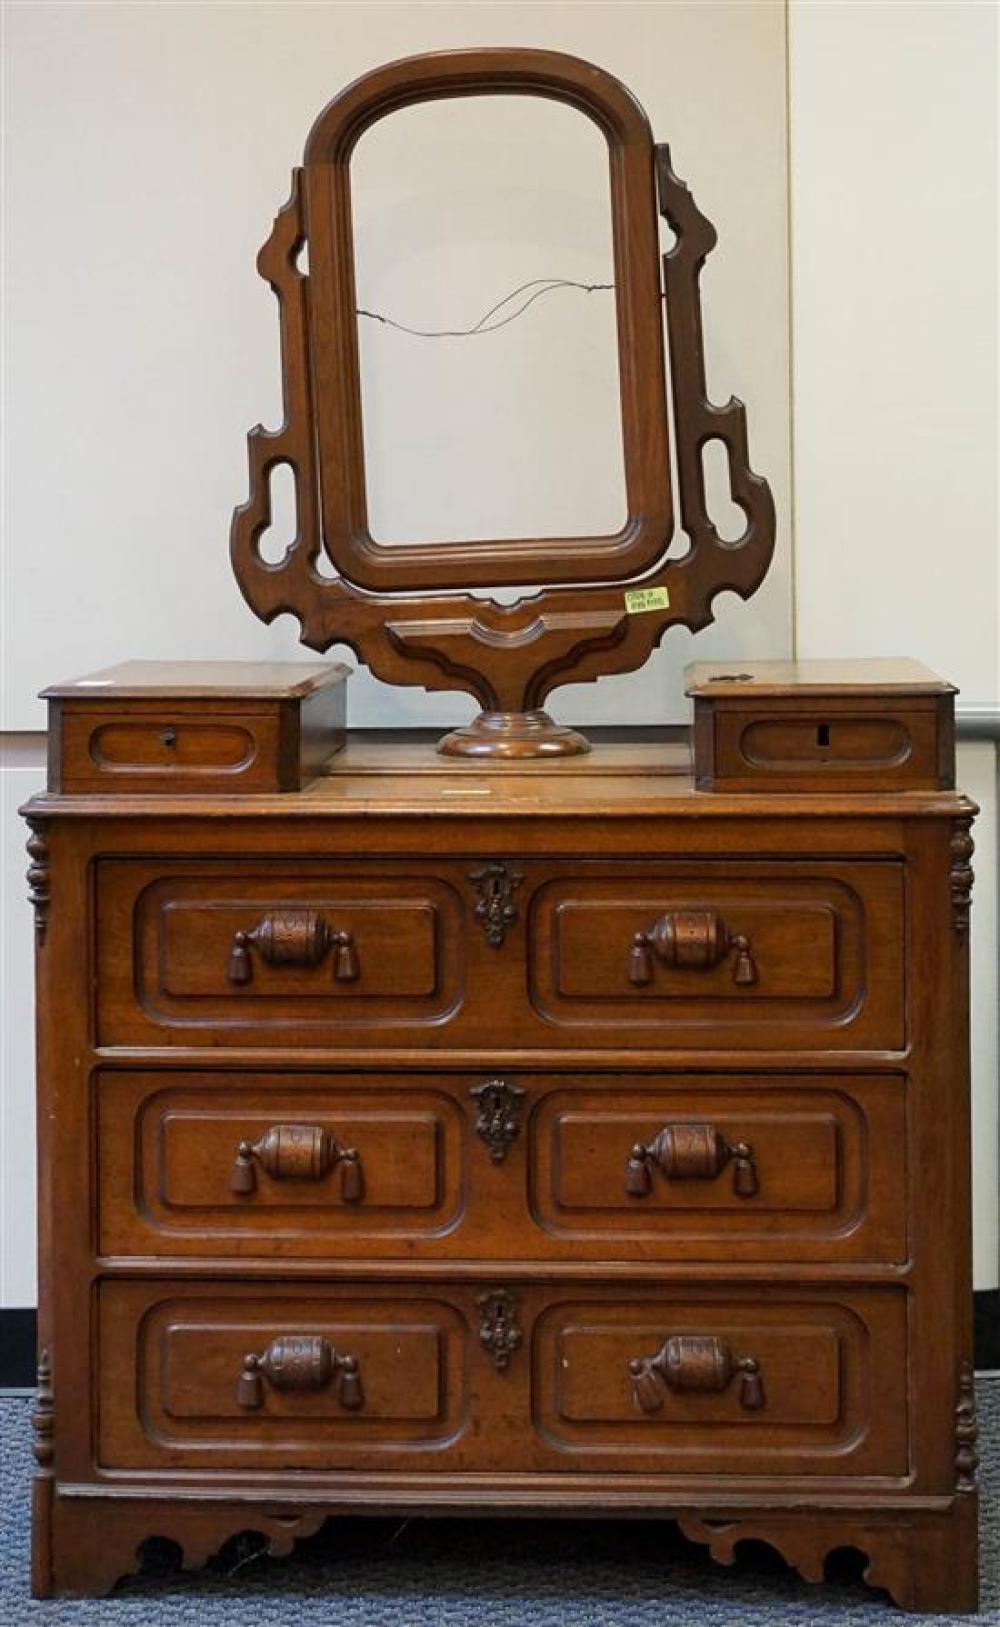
399, 773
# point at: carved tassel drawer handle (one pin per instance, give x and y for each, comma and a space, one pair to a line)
298, 1152
698, 939
299, 1361
694, 1362
691, 1152
293, 938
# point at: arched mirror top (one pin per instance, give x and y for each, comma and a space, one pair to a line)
494, 71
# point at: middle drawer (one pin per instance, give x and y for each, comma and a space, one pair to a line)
466, 1166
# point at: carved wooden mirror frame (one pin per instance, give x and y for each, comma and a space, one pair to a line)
400, 607
418, 567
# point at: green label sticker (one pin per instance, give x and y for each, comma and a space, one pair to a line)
639, 599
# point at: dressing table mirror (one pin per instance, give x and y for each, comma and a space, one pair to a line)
507, 1128
406, 609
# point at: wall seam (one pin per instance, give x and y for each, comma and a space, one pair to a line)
790, 272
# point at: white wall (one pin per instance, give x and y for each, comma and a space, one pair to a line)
893, 145
21, 774
894, 223
148, 147
977, 775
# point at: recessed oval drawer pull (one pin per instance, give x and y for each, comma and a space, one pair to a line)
293, 938
694, 1362
698, 939
691, 1152
298, 1152
299, 1361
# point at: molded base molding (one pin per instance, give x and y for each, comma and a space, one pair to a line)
925, 1562
924, 1558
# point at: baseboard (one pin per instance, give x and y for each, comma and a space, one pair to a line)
17, 1341
17, 1349
986, 1305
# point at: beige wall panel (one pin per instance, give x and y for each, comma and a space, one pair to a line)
894, 313
149, 147
894, 232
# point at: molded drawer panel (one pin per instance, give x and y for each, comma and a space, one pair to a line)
332, 1164
741, 953
733, 1381
711, 955
753, 1382
174, 1389
166, 750
159, 746
824, 1174
465, 1166
278, 953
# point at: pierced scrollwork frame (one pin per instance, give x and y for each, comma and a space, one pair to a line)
509, 656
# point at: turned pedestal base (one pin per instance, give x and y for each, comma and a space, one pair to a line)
513, 735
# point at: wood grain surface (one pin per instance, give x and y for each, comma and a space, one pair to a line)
486, 1224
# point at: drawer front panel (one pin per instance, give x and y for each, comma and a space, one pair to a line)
792, 1168
277, 955
472, 1166
821, 743
734, 1382
203, 1164
778, 955
785, 745
749, 1383
341, 1376
756, 954
161, 749
162, 746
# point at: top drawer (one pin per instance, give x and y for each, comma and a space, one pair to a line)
274, 952
739, 953
698, 955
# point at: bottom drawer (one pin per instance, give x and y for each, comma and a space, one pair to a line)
744, 1381
728, 1383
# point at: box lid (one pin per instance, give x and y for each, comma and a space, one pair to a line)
197, 680
743, 680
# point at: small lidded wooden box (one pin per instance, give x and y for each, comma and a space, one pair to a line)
880, 725
196, 726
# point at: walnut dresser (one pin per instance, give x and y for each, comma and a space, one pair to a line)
530, 1138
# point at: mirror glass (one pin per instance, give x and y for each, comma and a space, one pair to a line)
514, 432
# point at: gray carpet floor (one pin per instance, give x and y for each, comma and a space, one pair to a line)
461, 1573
